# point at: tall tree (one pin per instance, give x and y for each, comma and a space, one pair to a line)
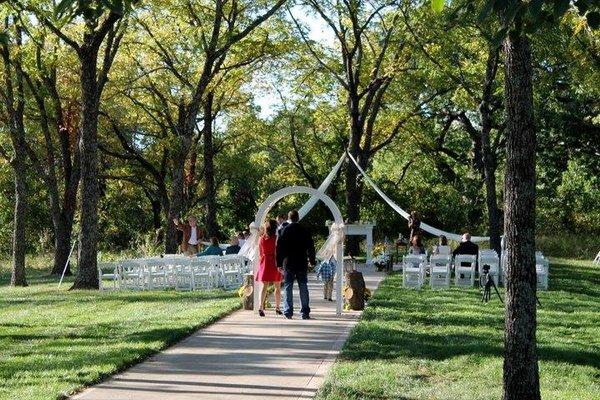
13, 96
371, 55
58, 123
215, 34
102, 26
519, 19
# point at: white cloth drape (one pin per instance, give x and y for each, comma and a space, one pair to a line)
322, 188
250, 247
406, 215
329, 248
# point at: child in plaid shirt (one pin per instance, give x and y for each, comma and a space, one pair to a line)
326, 272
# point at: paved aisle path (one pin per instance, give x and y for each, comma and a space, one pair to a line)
243, 357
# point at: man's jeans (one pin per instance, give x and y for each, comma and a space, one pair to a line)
288, 286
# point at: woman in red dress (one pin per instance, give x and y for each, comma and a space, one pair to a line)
267, 268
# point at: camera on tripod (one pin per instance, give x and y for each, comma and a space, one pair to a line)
486, 281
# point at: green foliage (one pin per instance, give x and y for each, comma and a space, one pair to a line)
437, 5
448, 345
429, 166
533, 15
81, 338
579, 198
91, 10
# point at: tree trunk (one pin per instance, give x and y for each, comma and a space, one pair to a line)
156, 213
210, 194
18, 277
87, 274
62, 245
521, 375
14, 99
352, 187
176, 205
489, 159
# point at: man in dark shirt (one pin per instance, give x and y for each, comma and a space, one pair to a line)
466, 246
234, 246
295, 249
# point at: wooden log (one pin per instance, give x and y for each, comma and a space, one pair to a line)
248, 295
356, 296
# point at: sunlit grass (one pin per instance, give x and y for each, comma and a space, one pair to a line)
448, 345
53, 342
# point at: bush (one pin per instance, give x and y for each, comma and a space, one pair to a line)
569, 246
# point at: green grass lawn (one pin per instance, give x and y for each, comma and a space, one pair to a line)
447, 345
53, 342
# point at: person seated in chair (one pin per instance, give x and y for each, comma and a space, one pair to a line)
442, 246
416, 247
234, 246
466, 246
213, 249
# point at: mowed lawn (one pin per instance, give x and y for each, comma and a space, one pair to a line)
448, 345
53, 342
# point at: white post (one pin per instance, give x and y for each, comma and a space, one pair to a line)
369, 245
339, 278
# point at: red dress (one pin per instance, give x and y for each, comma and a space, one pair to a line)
267, 266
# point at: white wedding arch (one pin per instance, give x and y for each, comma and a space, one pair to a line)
251, 250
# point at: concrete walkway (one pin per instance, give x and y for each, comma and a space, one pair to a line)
243, 356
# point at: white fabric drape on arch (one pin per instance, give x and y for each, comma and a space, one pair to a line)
305, 209
427, 228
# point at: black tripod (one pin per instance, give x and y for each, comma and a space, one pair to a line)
487, 286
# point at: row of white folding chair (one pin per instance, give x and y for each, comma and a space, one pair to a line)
177, 272
440, 266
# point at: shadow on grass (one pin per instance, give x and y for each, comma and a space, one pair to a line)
404, 323
377, 342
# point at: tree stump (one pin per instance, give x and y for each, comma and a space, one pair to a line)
356, 296
248, 295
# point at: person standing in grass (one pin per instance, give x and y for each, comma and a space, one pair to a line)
414, 224
192, 235
267, 268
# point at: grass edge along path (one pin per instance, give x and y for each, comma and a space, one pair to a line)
55, 343
442, 345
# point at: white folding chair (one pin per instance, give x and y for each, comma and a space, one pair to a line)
179, 273
131, 275
464, 270
156, 273
111, 274
232, 272
202, 273
172, 268
542, 267
440, 271
413, 271
597, 259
